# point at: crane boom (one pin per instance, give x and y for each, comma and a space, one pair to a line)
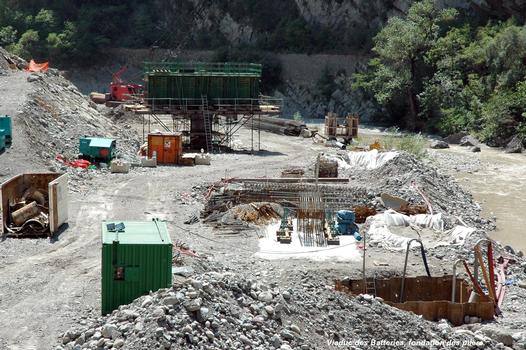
116, 77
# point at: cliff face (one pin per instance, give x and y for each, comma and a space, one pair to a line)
245, 21
350, 13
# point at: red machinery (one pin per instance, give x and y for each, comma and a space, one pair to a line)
121, 91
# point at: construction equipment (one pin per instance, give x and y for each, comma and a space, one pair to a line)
222, 83
348, 130
136, 259
6, 132
331, 233
34, 205
207, 123
284, 233
122, 91
97, 149
370, 286
346, 224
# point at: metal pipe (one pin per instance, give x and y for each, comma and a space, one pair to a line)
405, 266
454, 285
476, 263
363, 267
25, 213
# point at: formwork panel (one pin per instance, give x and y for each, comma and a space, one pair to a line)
220, 83
426, 296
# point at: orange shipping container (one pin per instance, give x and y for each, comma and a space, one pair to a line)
167, 146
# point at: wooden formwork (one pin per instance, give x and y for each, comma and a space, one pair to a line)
427, 296
348, 130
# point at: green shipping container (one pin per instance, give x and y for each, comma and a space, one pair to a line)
136, 259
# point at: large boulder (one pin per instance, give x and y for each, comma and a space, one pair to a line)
454, 139
469, 141
515, 145
438, 144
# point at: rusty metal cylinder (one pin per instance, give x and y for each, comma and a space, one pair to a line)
25, 213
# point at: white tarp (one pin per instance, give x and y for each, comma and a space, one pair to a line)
459, 234
370, 159
393, 218
271, 249
379, 230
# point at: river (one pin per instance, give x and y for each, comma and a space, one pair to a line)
500, 188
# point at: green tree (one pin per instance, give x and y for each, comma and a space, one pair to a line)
45, 20
62, 45
399, 69
27, 44
477, 81
7, 35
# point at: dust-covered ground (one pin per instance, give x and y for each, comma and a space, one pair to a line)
50, 289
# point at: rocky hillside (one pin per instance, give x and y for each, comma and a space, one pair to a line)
350, 24
49, 116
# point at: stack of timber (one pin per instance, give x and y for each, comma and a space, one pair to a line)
276, 125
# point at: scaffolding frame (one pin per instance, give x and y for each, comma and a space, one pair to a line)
222, 118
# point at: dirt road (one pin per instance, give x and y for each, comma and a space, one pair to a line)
14, 91
46, 285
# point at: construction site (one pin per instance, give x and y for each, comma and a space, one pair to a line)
190, 213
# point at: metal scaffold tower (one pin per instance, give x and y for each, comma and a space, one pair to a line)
207, 102
210, 125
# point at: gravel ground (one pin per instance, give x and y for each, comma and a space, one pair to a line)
50, 289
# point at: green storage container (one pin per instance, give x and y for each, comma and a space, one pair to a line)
135, 261
97, 148
6, 125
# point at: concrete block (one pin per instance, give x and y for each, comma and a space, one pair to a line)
202, 159
148, 162
119, 166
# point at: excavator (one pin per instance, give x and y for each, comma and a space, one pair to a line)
120, 91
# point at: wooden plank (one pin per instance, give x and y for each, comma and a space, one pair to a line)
58, 202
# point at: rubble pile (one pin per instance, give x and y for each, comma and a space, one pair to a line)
225, 311
56, 115
397, 176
